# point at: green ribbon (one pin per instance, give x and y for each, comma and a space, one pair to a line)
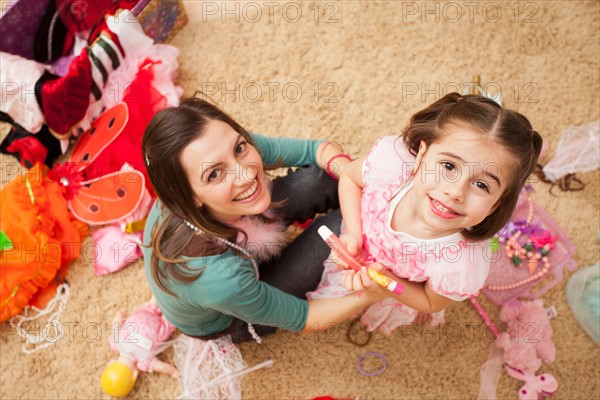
5, 242
494, 244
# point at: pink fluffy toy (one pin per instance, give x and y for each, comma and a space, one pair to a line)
527, 342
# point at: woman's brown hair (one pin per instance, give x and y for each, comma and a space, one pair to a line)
167, 135
508, 128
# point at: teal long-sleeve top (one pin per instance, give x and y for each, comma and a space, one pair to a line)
228, 286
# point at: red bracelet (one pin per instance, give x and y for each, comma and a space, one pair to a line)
328, 165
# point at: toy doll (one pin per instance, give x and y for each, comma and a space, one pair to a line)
138, 338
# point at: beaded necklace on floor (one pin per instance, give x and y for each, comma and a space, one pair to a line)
255, 335
519, 254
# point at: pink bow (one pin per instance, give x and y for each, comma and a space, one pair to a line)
536, 387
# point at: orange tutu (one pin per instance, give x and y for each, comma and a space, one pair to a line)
45, 237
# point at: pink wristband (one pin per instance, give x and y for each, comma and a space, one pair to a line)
328, 164
328, 143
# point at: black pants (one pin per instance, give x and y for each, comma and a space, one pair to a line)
306, 192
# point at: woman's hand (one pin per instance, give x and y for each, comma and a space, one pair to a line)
355, 281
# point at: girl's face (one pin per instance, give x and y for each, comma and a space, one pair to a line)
226, 173
460, 180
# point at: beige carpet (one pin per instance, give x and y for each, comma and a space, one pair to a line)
352, 71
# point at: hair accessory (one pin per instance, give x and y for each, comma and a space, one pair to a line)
328, 165
477, 88
251, 329
147, 159
351, 339
371, 354
567, 183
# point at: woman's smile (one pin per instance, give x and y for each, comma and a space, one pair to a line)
250, 194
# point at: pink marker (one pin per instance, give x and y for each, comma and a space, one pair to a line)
336, 245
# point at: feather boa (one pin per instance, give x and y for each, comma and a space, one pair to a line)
265, 240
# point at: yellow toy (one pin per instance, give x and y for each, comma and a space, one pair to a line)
141, 337
118, 378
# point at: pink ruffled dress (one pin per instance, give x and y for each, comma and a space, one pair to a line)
452, 266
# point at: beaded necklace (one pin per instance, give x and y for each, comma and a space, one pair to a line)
534, 251
199, 231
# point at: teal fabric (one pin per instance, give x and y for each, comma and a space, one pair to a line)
293, 152
583, 297
228, 287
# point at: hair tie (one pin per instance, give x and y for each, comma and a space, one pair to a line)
459, 99
351, 339
371, 354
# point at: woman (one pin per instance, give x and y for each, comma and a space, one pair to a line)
219, 220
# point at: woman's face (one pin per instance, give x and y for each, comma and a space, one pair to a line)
226, 173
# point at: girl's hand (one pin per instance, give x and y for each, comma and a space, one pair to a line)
353, 243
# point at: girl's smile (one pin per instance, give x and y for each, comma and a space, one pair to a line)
441, 210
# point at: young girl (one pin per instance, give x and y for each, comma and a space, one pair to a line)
214, 226
421, 207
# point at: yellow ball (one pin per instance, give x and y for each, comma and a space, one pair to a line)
117, 379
